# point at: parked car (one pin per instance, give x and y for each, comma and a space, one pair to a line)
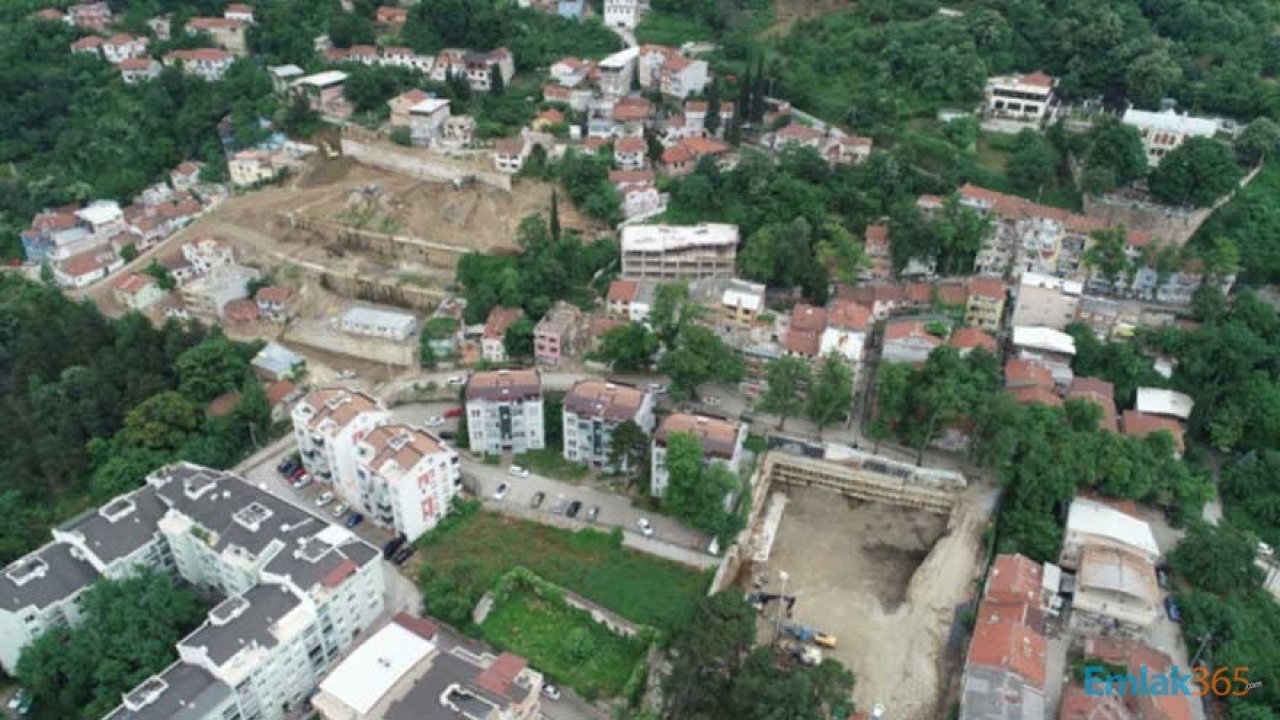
501, 492
392, 546
432, 422
287, 467
456, 380
538, 497
453, 412
297, 472
339, 509
447, 434
825, 640
645, 527
403, 554
1171, 607
324, 499
593, 513
551, 691
518, 471
301, 481
354, 520
657, 388
17, 699
574, 508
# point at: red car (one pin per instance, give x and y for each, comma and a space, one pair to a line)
297, 473
453, 412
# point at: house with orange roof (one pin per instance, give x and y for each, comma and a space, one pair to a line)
136, 291
804, 337
405, 479
1019, 100
400, 105
391, 15
1022, 373
878, 251
328, 423
629, 153
493, 344
966, 339
908, 341
227, 33
1140, 425
848, 325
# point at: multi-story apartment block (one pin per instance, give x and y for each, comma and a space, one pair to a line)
721, 442
1023, 98
623, 13
592, 409
90, 16
679, 252
327, 425
406, 479
985, 303
558, 335
1165, 130
741, 303
617, 72
504, 411
1028, 236
298, 591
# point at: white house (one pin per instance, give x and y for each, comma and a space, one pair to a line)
721, 441
1023, 98
504, 411
327, 424
593, 408
1165, 130
406, 479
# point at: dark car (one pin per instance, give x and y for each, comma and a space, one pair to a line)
287, 467
403, 554
1171, 607
447, 434
574, 507
538, 497
392, 546
354, 520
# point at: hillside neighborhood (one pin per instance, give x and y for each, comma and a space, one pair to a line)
640, 360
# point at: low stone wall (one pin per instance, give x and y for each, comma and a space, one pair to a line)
416, 165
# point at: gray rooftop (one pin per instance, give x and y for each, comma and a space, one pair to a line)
182, 692
233, 624
43, 578
445, 669
277, 359
996, 694
120, 527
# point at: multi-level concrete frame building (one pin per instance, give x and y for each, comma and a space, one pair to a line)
504, 411
297, 591
328, 424
593, 409
679, 252
407, 478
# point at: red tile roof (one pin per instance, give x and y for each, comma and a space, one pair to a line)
223, 405
849, 315
241, 310
421, 627
629, 145
211, 23
500, 677
132, 283
799, 133
968, 337
1078, 705
1037, 78
909, 329
86, 262
805, 335
920, 293
877, 236
90, 41
138, 64
617, 177
622, 291
509, 146
1029, 395
952, 293
676, 155
1141, 425
987, 287
1014, 578
1012, 646
704, 146
273, 294
1019, 372
501, 318
344, 570
278, 391
632, 109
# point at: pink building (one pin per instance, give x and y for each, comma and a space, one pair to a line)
558, 334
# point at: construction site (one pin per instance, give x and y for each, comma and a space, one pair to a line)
869, 559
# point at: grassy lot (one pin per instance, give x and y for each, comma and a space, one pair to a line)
550, 463
466, 556
563, 642
992, 155
671, 29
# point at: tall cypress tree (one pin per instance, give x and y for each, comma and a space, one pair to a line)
555, 216
757, 93
742, 113
712, 123
497, 85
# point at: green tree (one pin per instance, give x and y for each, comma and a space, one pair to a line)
628, 447
518, 341
497, 84
162, 422
1152, 75
712, 122
787, 378
210, 369
831, 394
1032, 163
695, 493
1258, 141
1116, 151
127, 634
1197, 173
1218, 559
671, 312
161, 274
627, 348
699, 356
554, 223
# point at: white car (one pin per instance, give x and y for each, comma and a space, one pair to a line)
433, 422
711, 401
551, 691
16, 700
518, 471
501, 492
645, 527
324, 499
345, 374
456, 380
339, 509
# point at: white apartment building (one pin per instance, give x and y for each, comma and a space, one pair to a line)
504, 411
679, 252
327, 424
406, 478
592, 409
721, 442
623, 13
617, 71
1165, 130
298, 590
1024, 98
207, 63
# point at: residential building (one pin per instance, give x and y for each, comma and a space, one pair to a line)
623, 13
1140, 425
90, 16
629, 153
186, 176
1165, 130
847, 150
239, 12
617, 70
87, 45
400, 105
1022, 98
741, 303
136, 291
1114, 587
846, 333
680, 77
1139, 659
275, 362
325, 93
592, 409
378, 322
412, 668
207, 63
86, 268
679, 252
1100, 393
640, 195
228, 34
39, 591
405, 479
1076, 704
136, 70
1092, 522
207, 295
509, 154
881, 298
493, 344
274, 303
630, 300
804, 336
327, 424
160, 26
985, 303
721, 441
426, 120
682, 158
558, 335
967, 339
1046, 301
1052, 347
457, 131
571, 9
1165, 403
504, 411
250, 167
391, 15
1029, 237
908, 341
124, 46
878, 251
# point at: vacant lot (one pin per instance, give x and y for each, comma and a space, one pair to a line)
885, 581
563, 642
466, 559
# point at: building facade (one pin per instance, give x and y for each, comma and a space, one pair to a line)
406, 479
593, 408
721, 441
327, 425
505, 411
679, 252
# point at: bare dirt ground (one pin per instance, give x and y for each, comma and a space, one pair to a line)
885, 581
787, 12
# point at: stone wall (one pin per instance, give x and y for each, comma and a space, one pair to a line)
417, 165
